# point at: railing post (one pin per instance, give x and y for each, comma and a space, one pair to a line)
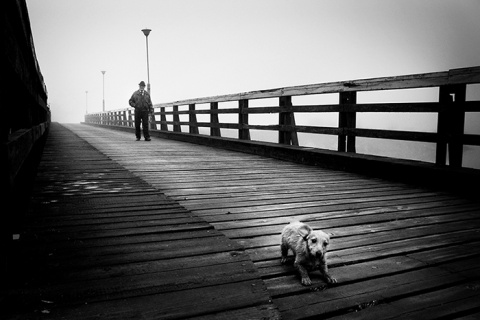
243, 133
193, 126
287, 118
176, 120
214, 130
457, 127
153, 124
450, 126
163, 119
346, 121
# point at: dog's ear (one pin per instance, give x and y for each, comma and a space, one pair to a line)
304, 231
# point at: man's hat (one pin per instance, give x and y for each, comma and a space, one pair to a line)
142, 84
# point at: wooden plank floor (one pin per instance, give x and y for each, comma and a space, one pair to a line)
100, 243
398, 251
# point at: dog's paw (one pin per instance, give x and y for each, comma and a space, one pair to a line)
306, 282
331, 280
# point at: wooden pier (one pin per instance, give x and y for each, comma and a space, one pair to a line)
120, 229
187, 226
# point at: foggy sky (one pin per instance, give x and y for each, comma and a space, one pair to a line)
202, 48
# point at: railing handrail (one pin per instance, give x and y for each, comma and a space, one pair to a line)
424, 80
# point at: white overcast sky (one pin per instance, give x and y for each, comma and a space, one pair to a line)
201, 48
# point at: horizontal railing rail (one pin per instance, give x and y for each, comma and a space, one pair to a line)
451, 108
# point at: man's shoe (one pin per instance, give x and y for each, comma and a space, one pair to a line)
148, 139
138, 139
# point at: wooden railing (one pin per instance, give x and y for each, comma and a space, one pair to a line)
450, 108
26, 117
24, 128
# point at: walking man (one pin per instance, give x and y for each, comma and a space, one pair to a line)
140, 100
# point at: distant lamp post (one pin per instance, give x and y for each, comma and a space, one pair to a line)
146, 32
103, 72
153, 125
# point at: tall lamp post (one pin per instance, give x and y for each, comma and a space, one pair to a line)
103, 72
146, 32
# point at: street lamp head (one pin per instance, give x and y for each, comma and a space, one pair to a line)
146, 32
104, 72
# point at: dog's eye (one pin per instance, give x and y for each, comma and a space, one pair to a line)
314, 240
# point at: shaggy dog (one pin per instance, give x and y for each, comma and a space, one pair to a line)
309, 248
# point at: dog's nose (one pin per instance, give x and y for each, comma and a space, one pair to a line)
320, 256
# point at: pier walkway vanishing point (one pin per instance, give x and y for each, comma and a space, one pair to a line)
166, 229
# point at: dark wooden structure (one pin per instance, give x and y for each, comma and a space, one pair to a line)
24, 123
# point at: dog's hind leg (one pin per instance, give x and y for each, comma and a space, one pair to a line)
284, 249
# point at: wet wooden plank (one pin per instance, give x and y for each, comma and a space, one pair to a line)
445, 303
359, 296
174, 305
126, 286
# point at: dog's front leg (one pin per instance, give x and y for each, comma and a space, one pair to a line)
324, 271
303, 273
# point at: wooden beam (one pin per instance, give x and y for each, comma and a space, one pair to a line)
425, 80
193, 128
450, 126
176, 120
243, 132
214, 131
287, 119
163, 120
347, 120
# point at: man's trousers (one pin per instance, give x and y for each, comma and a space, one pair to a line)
141, 117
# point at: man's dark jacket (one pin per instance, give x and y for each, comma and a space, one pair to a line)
140, 100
